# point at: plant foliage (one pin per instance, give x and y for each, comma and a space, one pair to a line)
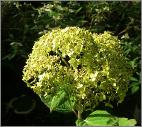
24, 21
77, 67
103, 118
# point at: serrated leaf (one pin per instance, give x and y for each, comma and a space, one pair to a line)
67, 106
56, 100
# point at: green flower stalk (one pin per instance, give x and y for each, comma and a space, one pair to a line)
72, 69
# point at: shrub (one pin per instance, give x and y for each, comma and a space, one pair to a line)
72, 69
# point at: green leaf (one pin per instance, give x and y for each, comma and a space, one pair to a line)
134, 84
73, 62
46, 100
133, 64
103, 118
133, 79
108, 105
102, 97
134, 89
98, 118
78, 10
67, 106
80, 122
56, 100
96, 121
132, 122
126, 122
102, 112
113, 121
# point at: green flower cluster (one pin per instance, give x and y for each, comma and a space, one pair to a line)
83, 68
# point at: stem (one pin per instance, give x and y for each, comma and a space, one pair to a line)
75, 113
63, 60
79, 115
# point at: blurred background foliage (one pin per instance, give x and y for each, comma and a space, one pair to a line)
24, 22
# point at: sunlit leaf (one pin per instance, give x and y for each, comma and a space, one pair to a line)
98, 118
57, 99
126, 122
103, 118
80, 122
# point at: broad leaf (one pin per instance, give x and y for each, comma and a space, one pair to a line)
67, 106
132, 122
80, 122
133, 79
60, 102
126, 122
56, 100
108, 105
134, 84
98, 118
103, 118
134, 89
